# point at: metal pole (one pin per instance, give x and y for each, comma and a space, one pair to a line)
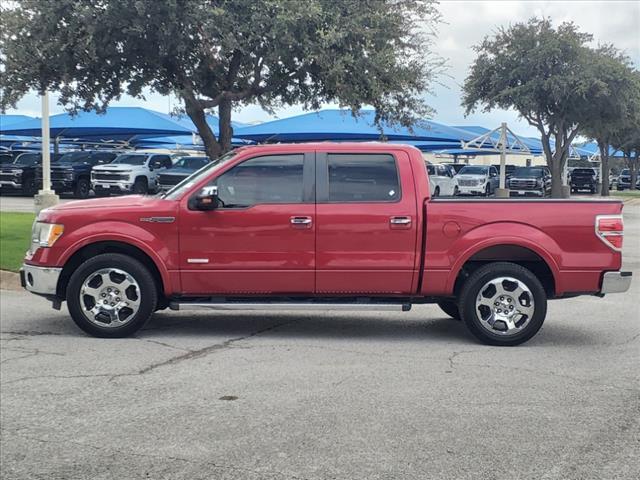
46, 197
503, 154
46, 153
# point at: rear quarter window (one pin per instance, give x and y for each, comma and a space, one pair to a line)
363, 178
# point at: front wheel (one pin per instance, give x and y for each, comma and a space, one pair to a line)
141, 187
456, 191
83, 187
503, 304
111, 295
436, 192
29, 188
487, 190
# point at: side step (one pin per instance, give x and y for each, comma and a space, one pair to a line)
370, 307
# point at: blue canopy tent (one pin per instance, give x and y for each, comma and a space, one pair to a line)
117, 123
591, 149
8, 141
340, 125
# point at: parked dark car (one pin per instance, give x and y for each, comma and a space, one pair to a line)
584, 179
180, 170
72, 172
509, 169
20, 175
530, 181
624, 180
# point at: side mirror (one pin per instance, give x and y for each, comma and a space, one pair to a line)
206, 200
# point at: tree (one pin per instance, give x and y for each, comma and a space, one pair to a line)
627, 137
218, 54
611, 109
543, 73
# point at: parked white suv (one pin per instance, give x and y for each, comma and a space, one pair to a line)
130, 173
478, 180
442, 180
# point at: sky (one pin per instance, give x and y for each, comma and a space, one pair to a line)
465, 23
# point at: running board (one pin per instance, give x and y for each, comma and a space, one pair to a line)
371, 307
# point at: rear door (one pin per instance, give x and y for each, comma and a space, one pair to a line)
366, 223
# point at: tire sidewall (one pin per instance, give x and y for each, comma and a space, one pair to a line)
148, 294
467, 302
140, 187
82, 192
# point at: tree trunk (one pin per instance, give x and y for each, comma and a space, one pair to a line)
197, 116
633, 170
556, 166
226, 130
604, 162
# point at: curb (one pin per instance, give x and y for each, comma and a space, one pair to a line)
9, 281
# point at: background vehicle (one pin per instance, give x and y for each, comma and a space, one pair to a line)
130, 173
624, 180
456, 167
508, 170
530, 181
478, 180
72, 172
331, 226
20, 175
583, 179
442, 180
180, 170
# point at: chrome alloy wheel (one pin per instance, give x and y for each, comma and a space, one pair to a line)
110, 297
505, 306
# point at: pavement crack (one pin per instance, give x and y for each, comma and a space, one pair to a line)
202, 352
163, 344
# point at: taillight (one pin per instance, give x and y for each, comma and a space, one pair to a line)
610, 229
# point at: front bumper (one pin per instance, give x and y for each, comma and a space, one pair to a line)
521, 192
471, 190
40, 280
10, 184
615, 282
113, 186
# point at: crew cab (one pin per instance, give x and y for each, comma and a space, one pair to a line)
130, 173
72, 172
327, 226
20, 175
530, 181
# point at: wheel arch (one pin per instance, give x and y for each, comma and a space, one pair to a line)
523, 253
91, 249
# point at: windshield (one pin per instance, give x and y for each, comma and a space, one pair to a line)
131, 159
583, 171
473, 171
28, 159
192, 163
177, 191
625, 172
528, 172
431, 170
73, 157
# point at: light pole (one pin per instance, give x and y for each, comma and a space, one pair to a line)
45, 197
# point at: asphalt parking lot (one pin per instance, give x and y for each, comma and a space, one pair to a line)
324, 395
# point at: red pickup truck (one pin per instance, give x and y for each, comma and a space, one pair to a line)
323, 226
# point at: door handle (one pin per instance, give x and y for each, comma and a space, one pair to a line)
400, 223
303, 222
400, 220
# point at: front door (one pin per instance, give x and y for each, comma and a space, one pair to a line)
366, 224
261, 240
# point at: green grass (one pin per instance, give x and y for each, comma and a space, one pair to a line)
626, 193
15, 235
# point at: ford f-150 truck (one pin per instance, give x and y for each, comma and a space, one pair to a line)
323, 226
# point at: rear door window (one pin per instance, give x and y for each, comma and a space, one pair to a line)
363, 178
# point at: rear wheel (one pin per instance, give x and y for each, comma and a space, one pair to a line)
503, 304
82, 188
450, 308
111, 295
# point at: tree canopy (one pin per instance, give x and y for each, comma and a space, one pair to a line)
545, 74
217, 54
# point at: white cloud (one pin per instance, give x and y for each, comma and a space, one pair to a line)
467, 23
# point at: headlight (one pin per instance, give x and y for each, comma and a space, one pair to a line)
44, 235
539, 182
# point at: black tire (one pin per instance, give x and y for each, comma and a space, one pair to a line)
487, 190
456, 191
83, 187
148, 294
471, 290
29, 188
141, 186
450, 308
436, 192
